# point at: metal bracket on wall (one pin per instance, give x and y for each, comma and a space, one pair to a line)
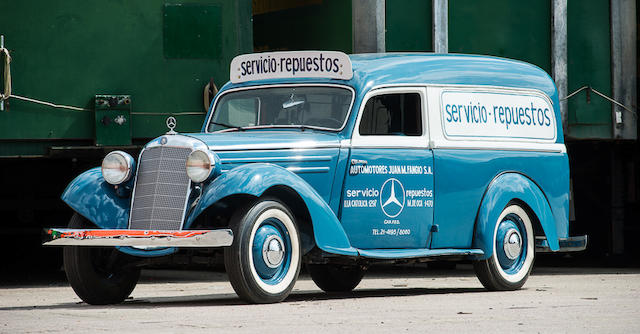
590, 89
113, 120
6, 92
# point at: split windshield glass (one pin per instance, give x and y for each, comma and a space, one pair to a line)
319, 107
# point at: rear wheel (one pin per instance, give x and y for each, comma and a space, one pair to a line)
264, 260
513, 251
335, 278
99, 276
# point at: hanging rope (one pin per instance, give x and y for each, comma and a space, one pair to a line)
7, 87
591, 89
60, 106
6, 94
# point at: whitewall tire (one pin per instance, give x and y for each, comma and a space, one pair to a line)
513, 255
263, 262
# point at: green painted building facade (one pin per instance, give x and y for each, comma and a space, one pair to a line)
161, 54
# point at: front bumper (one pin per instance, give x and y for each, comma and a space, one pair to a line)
138, 238
571, 244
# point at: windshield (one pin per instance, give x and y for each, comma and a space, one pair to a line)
319, 107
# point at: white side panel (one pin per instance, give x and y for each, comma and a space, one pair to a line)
491, 118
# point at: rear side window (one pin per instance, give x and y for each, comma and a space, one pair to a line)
392, 115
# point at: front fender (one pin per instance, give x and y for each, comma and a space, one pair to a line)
255, 179
503, 189
92, 197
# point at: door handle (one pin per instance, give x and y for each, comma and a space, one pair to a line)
358, 162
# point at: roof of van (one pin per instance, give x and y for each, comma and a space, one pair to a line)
370, 70
375, 69
380, 69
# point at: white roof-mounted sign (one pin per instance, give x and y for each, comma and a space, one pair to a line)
295, 64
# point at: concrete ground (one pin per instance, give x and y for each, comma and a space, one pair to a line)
404, 300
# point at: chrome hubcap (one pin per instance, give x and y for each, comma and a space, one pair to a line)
512, 244
273, 251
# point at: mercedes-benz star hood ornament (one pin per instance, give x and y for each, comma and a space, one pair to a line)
171, 124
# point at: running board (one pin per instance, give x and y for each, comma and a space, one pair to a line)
571, 244
416, 253
138, 238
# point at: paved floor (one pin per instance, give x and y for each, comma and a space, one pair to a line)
409, 300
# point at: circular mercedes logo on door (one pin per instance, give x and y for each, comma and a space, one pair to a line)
392, 198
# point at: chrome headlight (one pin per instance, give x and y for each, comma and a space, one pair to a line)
200, 165
117, 167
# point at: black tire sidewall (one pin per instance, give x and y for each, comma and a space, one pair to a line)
91, 286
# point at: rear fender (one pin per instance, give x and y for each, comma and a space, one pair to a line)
255, 179
92, 197
503, 189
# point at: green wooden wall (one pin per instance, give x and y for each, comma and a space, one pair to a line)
68, 51
409, 26
322, 26
505, 28
589, 64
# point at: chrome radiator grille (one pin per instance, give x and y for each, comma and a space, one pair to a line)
161, 189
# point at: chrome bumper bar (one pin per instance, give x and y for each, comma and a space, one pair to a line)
571, 244
138, 238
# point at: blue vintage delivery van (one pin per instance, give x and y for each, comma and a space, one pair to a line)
336, 162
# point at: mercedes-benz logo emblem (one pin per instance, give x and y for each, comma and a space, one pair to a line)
392, 197
171, 123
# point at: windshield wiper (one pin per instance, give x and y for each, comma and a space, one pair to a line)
302, 127
229, 127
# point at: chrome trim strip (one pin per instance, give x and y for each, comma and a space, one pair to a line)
294, 158
346, 119
139, 238
273, 146
552, 148
308, 169
300, 170
399, 147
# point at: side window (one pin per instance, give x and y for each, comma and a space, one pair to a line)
392, 115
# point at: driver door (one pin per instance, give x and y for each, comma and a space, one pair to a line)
387, 200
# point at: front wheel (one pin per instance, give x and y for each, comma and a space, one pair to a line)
513, 251
264, 260
99, 276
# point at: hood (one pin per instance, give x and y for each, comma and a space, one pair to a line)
267, 139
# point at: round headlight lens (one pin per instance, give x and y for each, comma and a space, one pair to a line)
199, 166
116, 167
